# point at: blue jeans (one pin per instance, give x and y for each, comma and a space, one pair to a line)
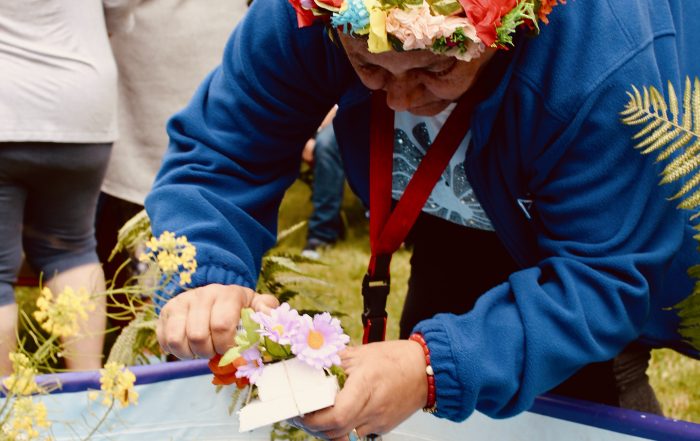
325, 223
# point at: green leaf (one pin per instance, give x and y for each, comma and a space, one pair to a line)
229, 356
248, 336
523, 12
250, 326
276, 350
340, 374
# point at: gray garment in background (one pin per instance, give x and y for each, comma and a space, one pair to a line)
171, 48
58, 80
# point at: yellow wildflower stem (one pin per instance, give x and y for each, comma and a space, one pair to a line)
5, 404
100, 422
6, 417
121, 267
45, 350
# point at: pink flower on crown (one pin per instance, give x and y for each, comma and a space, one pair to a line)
319, 340
416, 27
280, 325
253, 367
486, 16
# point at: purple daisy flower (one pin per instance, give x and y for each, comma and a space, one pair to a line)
318, 340
254, 366
280, 326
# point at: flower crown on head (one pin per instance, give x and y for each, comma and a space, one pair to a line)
459, 28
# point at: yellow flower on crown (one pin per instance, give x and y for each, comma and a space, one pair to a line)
26, 417
60, 316
22, 381
117, 384
173, 255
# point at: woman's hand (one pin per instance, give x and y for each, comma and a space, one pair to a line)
386, 384
202, 321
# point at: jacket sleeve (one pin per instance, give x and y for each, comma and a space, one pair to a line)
236, 147
605, 236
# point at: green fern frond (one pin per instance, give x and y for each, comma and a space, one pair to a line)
279, 271
689, 312
282, 235
677, 136
136, 230
136, 340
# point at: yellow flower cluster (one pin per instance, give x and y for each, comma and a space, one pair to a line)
60, 316
27, 416
117, 384
22, 381
173, 255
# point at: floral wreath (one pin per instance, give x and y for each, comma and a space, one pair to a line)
459, 28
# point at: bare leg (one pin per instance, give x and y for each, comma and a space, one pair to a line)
85, 351
8, 336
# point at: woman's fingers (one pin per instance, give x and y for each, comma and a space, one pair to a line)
175, 335
338, 420
386, 383
225, 315
199, 336
202, 321
347, 412
264, 303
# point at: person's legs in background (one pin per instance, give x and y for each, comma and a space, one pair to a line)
59, 235
325, 223
12, 199
84, 351
8, 339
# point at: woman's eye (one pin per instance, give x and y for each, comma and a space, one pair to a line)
369, 67
441, 70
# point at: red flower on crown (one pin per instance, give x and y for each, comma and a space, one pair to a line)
546, 7
224, 375
304, 16
486, 16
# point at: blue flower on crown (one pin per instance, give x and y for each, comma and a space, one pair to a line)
355, 15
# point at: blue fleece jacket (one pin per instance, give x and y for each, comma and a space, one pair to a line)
602, 254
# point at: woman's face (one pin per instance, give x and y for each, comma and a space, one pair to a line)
419, 82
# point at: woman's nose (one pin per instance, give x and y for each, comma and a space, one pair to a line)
403, 92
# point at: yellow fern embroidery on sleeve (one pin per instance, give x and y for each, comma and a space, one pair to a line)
674, 132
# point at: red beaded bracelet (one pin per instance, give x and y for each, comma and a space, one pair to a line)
431, 402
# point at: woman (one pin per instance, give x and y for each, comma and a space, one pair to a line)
545, 212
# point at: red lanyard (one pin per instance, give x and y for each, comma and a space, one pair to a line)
388, 228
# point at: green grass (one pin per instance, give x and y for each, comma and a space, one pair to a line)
675, 378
